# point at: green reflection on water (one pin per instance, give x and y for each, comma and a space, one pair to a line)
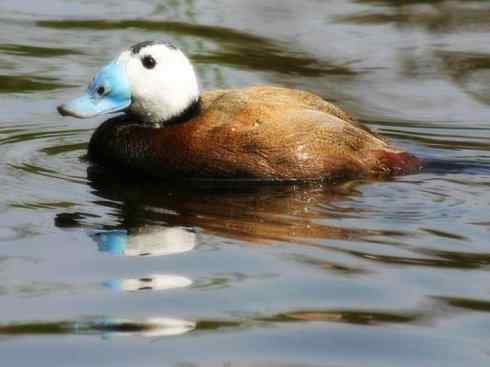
27, 84
468, 304
442, 17
107, 326
347, 316
240, 49
60, 149
32, 328
198, 30
35, 135
44, 205
33, 51
130, 327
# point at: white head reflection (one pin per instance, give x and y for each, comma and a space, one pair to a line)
156, 282
147, 241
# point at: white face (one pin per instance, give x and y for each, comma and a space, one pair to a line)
163, 81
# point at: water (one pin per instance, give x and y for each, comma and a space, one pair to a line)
99, 271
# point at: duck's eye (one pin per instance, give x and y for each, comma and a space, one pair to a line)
148, 62
101, 90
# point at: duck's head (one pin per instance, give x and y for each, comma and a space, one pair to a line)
154, 81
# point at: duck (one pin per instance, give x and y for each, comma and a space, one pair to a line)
167, 128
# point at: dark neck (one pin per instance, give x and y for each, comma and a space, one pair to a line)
189, 113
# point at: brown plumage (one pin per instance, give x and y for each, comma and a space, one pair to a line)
259, 133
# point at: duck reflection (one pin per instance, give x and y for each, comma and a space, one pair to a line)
151, 282
155, 217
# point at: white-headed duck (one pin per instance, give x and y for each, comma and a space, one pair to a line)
170, 129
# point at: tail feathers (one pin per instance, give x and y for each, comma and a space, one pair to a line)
392, 163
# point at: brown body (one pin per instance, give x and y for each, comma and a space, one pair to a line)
262, 133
